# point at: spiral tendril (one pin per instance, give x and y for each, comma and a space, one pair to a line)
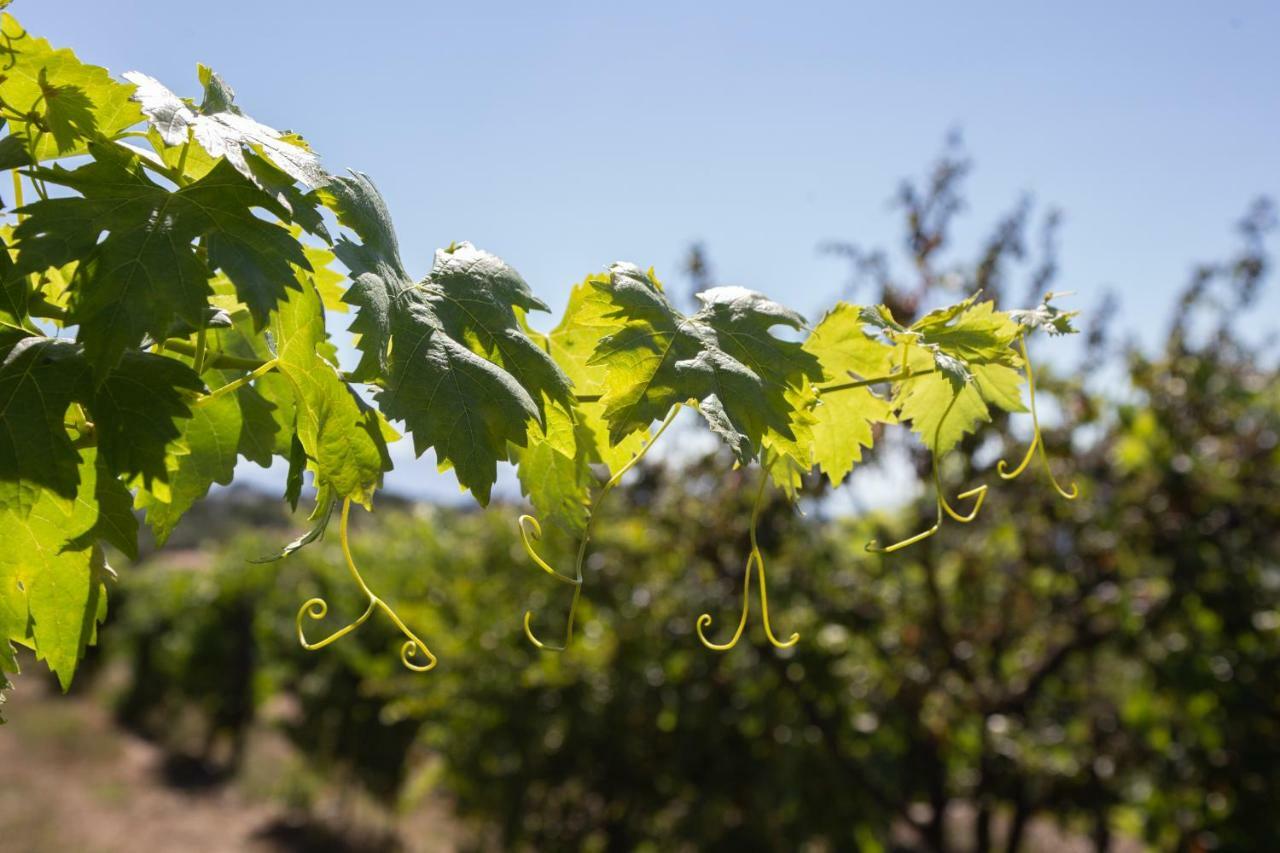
317, 608
1037, 439
754, 559
531, 531
978, 494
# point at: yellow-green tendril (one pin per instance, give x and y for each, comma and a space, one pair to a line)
978, 495
756, 560
1037, 440
316, 608
531, 531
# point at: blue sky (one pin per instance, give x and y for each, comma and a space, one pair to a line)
565, 136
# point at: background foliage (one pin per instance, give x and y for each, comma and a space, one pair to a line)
1104, 663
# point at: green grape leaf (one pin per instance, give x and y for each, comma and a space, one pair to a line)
73, 102
15, 289
473, 294
146, 271
451, 399
222, 130
344, 438
266, 406
926, 401
13, 150
964, 362
845, 418
137, 412
39, 379
52, 593
449, 352
257, 256
967, 332
553, 468
742, 320
377, 274
267, 413
586, 320
114, 503
660, 358
204, 454
68, 112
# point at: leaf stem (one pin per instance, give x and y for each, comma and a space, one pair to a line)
180, 169
217, 361
901, 376
17, 193
201, 350
264, 368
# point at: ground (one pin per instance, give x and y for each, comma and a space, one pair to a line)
75, 781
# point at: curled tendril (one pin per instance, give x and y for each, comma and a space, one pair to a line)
1037, 439
531, 531
977, 494
318, 608
754, 560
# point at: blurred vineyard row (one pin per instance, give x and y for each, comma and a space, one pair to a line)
1107, 665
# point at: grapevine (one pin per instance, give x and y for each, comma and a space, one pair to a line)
167, 269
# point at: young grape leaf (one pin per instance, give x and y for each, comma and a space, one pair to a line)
660, 358
963, 359
844, 418
204, 454
343, 437
571, 343
72, 102
449, 352
320, 516
926, 401
553, 469
1047, 316
967, 333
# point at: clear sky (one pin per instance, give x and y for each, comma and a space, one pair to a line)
563, 136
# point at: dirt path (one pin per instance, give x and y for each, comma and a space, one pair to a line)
71, 780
